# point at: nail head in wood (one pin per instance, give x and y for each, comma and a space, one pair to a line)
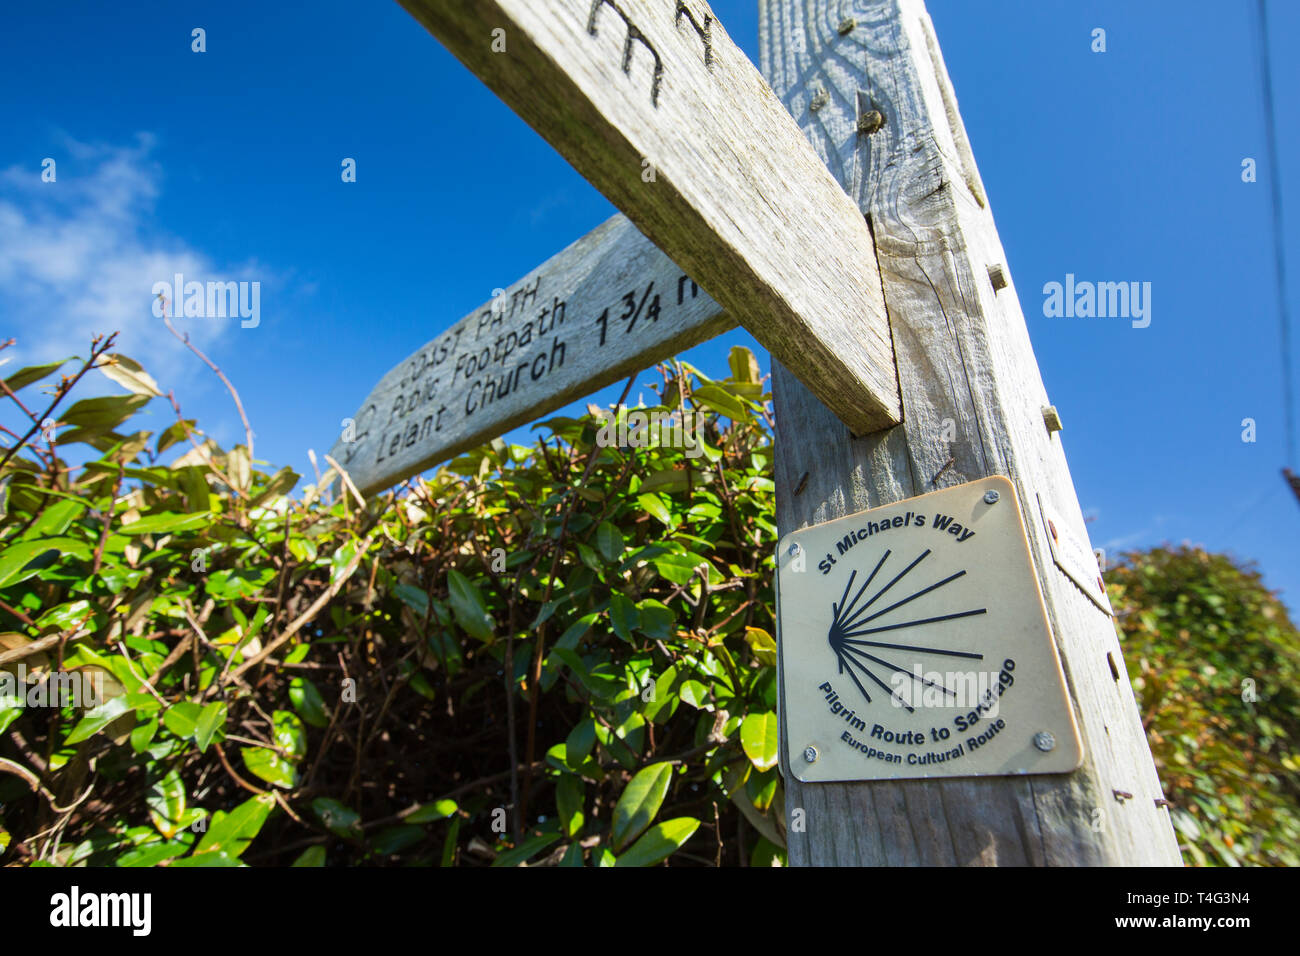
846, 26
998, 278
1052, 419
946, 465
871, 121
819, 99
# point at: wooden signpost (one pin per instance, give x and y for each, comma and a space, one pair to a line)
743, 202
606, 306
653, 103
974, 405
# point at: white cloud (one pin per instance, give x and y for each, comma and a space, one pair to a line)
79, 257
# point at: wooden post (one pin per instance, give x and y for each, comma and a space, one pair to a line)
870, 91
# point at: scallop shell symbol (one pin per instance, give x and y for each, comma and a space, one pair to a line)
854, 628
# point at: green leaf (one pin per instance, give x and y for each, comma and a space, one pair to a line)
526, 850
166, 803
721, 401
681, 568
694, 693
55, 519
763, 645
571, 636
11, 708
572, 856
340, 560
622, 615
656, 619
468, 606
589, 557
758, 735
151, 855
569, 794
660, 842
271, 767
281, 483
97, 719
580, 741
438, 810
666, 479
338, 819
232, 584
182, 718
211, 719
174, 433
655, 507
128, 373
308, 702
312, 856
193, 481
34, 373
449, 845
142, 736
239, 468
304, 550
766, 853
230, 833
166, 523
16, 557
109, 411
610, 541
639, 803
214, 858
744, 366
761, 789
661, 705
288, 733
395, 839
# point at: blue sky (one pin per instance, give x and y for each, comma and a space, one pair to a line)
1124, 165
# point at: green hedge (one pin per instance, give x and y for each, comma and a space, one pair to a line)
557, 654
1215, 662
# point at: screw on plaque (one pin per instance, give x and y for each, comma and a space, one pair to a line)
1044, 741
795, 549
991, 497
810, 754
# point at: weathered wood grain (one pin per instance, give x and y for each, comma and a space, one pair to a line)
603, 308
964, 359
652, 102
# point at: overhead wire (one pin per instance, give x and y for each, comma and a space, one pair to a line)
1279, 255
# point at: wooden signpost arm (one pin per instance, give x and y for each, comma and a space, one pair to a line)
652, 102
594, 313
973, 404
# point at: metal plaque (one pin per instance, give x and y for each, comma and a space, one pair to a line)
914, 643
